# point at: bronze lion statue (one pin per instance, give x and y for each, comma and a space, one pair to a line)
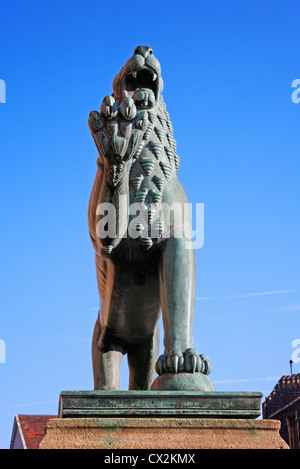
144, 262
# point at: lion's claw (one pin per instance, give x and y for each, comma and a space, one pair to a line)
160, 366
191, 358
206, 366
189, 362
95, 121
173, 362
109, 108
128, 109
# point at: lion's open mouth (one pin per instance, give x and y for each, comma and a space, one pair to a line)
143, 78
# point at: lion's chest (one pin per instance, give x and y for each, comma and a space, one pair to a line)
153, 166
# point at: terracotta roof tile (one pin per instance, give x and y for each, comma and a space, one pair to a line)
33, 428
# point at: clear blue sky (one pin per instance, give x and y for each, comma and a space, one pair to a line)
228, 66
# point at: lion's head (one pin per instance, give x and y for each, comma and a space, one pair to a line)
140, 73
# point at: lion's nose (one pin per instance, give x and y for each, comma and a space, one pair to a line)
144, 51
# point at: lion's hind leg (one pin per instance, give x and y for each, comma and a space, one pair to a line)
141, 362
107, 359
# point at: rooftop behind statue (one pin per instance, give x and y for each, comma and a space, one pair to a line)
145, 266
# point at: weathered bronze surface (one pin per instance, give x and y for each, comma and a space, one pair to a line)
178, 404
182, 382
146, 265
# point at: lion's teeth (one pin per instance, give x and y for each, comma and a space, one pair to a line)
134, 74
154, 77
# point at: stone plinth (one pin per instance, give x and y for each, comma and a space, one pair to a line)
161, 433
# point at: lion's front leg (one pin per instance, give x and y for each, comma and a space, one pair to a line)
177, 290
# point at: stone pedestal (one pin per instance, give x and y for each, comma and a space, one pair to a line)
161, 433
160, 420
